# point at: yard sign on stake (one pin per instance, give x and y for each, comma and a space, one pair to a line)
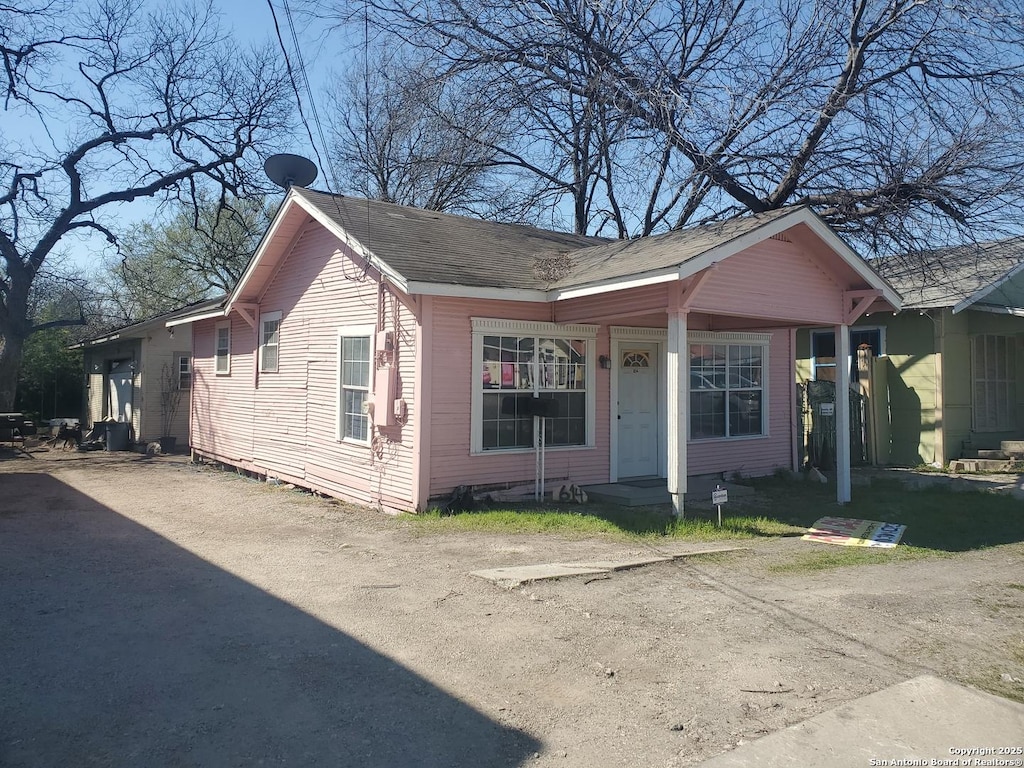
719, 496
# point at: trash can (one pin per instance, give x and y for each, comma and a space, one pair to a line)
117, 435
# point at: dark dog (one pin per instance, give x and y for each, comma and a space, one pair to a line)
69, 437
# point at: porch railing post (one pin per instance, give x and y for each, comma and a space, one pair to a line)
678, 377
843, 492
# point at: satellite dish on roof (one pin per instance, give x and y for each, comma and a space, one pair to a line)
287, 170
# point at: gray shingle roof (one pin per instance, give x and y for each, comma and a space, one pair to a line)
623, 258
947, 276
431, 247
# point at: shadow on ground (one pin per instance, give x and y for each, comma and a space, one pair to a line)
120, 648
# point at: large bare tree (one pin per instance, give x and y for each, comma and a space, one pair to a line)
402, 132
896, 119
106, 102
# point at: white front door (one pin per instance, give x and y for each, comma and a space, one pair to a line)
638, 409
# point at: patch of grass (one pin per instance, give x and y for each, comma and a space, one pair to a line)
991, 682
839, 557
1015, 586
939, 522
937, 519
602, 519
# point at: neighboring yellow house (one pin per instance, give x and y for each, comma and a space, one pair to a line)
953, 359
133, 373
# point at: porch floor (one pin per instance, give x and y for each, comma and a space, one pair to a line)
650, 491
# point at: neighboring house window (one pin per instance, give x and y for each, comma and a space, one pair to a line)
270, 333
727, 393
354, 377
994, 374
223, 354
823, 351
184, 366
516, 362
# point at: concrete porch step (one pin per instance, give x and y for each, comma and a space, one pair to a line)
979, 465
983, 453
1013, 448
648, 492
628, 495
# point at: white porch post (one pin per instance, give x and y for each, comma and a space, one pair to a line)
843, 494
678, 358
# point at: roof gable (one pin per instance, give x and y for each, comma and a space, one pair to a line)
428, 252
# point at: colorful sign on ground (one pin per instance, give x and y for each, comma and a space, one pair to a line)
849, 532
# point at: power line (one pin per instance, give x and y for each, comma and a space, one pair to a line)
295, 87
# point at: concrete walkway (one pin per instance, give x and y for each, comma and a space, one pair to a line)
514, 576
923, 721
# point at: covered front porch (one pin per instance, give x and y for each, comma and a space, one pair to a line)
653, 491
701, 341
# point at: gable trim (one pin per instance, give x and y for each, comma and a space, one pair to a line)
981, 293
293, 200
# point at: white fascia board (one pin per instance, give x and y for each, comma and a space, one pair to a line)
393, 276
476, 292
997, 309
260, 250
94, 342
981, 293
851, 257
196, 318
617, 284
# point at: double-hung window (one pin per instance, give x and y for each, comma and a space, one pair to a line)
222, 355
995, 371
270, 340
355, 356
515, 363
728, 396
184, 370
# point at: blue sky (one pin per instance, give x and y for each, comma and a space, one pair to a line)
252, 23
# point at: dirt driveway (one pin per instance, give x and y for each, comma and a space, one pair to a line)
157, 614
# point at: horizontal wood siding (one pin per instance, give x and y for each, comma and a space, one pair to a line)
451, 464
293, 411
158, 350
773, 279
762, 455
222, 405
649, 301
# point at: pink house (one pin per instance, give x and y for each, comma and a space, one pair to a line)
387, 355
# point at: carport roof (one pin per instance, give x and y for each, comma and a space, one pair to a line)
136, 330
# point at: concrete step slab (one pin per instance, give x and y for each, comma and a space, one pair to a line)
514, 576
1012, 447
913, 723
979, 465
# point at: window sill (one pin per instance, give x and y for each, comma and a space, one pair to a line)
520, 451
731, 439
353, 441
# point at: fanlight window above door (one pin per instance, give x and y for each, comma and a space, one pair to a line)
636, 359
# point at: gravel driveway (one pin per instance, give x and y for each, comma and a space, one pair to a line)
153, 613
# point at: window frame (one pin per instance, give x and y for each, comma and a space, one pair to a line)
224, 325
367, 332
1008, 383
481, 327
264, 318
851, 329
179, 370
731, 339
